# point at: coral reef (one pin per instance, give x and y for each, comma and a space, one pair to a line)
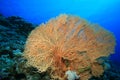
68, 41
13, 65
12, 41
13, 34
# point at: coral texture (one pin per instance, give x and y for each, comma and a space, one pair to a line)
68, 41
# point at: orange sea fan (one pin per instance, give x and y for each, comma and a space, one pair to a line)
67, 41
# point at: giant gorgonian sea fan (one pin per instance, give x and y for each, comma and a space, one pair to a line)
68, 41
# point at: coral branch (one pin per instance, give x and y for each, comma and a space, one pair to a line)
68, 41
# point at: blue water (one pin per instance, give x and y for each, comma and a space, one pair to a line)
103, 12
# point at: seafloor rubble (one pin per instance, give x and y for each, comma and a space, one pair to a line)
13, 34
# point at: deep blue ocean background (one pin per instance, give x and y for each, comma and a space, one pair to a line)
103, 12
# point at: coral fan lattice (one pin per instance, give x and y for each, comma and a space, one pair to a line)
68, 41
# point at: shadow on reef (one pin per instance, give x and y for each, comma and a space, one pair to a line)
13, 34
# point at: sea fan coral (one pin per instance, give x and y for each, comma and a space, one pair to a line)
68, 41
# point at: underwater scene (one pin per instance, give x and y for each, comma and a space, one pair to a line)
59, 40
